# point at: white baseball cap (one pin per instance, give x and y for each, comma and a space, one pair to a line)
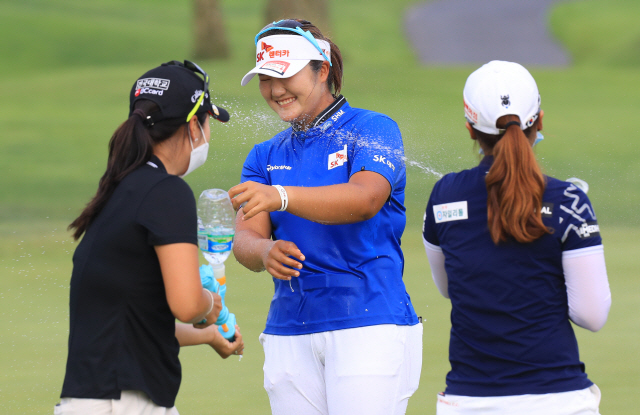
500, 88
282, 56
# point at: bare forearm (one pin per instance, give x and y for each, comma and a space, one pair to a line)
333, 205
188, 301
249, 248
188, 335
204, 305
358, 200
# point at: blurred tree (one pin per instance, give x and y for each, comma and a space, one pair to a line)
210, 39
315, 11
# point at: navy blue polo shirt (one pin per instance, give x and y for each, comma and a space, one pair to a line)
122, 331
510, 329
352, 275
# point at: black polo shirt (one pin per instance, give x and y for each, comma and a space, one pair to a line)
122, 331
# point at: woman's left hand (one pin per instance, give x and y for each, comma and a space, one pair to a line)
255, 198
224, 347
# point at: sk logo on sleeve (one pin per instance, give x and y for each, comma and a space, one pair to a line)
338, 158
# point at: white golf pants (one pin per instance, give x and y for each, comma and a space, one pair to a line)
580, 402
370, 370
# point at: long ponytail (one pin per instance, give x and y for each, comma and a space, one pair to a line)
515, 186
130, 147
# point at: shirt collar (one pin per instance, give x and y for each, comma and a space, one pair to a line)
486, 161
334, 107
156, 163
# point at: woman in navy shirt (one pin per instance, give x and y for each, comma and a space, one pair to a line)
321, 208
520, 256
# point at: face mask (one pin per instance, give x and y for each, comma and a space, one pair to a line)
198, 155
539, 138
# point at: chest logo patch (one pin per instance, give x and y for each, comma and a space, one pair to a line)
338, 158
283, 167
450, 211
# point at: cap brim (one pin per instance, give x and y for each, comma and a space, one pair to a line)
276, 69
219, 113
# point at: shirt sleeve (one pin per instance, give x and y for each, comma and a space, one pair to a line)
169, 213
436, 263
579, 225
253, 170
379, 148
588, 291
429, 233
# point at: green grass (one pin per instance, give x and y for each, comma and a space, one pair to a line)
36, 268
67, 66
599, 33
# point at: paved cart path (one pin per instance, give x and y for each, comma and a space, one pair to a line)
445, 32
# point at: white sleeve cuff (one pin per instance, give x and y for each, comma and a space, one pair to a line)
583, 251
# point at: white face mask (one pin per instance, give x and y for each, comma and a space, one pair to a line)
198, 155
539, 138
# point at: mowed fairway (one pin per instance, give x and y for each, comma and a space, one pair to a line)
66, 67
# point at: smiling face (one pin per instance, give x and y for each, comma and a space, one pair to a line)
300, 98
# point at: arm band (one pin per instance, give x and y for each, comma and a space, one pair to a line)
284, 199
212, 303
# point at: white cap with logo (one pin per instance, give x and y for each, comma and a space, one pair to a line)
282, 56
500, 88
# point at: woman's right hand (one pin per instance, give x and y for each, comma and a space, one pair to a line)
212, 317
278, 261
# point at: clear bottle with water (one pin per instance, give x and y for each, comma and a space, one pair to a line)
216, 225
216, 229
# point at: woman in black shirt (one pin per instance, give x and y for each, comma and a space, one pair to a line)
136, 268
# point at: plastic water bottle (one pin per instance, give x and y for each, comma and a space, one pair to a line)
213, 279
216, 229
216, 225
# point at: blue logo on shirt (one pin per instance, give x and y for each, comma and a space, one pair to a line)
326, 126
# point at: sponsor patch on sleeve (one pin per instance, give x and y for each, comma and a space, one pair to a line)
383, 160
588, 230
450, 211
547, 210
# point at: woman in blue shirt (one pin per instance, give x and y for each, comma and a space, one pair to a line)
321, 208
520, 255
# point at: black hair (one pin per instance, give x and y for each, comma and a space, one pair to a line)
130, 147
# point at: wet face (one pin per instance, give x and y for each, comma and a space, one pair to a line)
300, 98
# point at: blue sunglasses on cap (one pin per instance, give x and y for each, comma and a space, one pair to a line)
293, 26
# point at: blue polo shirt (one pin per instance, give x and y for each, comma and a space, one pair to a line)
510, 329
352, 274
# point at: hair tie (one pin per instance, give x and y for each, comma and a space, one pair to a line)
146, 119
140, 113
510, 123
